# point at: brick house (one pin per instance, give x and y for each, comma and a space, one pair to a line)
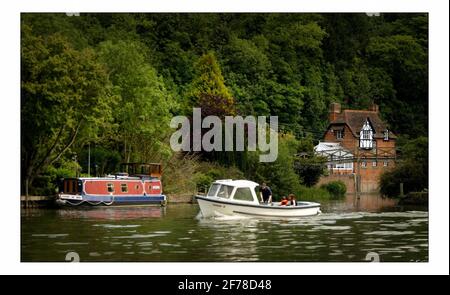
358, 143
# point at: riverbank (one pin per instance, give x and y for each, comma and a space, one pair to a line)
49, 201
414, 198
37, 201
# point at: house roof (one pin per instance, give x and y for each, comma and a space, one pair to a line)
334, 149
355, 120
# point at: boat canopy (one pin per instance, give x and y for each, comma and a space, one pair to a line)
237, 183
237, 190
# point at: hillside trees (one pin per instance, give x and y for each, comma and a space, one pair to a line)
123, 76
65, 94
143, 109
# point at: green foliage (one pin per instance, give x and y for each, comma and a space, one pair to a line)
115, 80
203, 181
308, 165
313, 193
246, 59
412, 170
143, 110
279, 175
65, 95
208, 87
336, 189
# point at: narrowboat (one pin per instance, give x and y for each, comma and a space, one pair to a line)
239, 197
142, 186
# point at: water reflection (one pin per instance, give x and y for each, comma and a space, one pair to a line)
116, 213
363, 202
178, 233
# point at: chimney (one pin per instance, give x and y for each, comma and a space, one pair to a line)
335, 110
374, 107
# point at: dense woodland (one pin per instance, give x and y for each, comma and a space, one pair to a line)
110, 84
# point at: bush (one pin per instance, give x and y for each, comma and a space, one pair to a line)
312, 194
412, 170
335, 188
279, 175
202, 181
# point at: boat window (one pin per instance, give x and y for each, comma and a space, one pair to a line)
244, 194
213, 190
124, 187
110, 187
225, 191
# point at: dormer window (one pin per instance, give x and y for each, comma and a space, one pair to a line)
386, 135
339, 133
366, 136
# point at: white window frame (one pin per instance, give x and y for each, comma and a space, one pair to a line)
366, 136
386, 135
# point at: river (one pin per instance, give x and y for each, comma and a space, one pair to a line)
365, 229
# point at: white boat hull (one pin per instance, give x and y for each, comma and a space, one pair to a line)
210, 207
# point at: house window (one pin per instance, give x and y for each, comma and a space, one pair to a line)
110, 187
385, 163
374, 164
339, 133
366, 136
124, 187
346, 165
386, 135
363, 164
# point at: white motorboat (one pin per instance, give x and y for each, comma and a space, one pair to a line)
239, 197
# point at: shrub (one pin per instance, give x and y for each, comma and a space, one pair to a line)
411, 170
335, 188
312, 193
202, 181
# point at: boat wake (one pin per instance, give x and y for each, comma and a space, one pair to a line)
221, 217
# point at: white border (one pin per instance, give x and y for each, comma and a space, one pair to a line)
10, 150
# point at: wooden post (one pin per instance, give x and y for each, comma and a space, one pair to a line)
401, 189
358, 175
26, 192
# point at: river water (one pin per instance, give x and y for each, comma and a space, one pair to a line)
371, 228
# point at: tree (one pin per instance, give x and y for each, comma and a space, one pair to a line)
144, 106
308, 165
280, 174
209, 83
411, 170
64, 92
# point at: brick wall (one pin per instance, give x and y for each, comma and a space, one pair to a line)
349, 142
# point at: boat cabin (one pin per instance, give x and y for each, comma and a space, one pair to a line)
140, 179
236, 190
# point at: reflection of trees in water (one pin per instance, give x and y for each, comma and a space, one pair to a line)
114, 213
365, 202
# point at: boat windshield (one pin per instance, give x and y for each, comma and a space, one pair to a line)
213, 190
225, 191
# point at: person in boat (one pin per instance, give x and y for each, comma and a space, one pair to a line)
284, 201
266, 193
292, 200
